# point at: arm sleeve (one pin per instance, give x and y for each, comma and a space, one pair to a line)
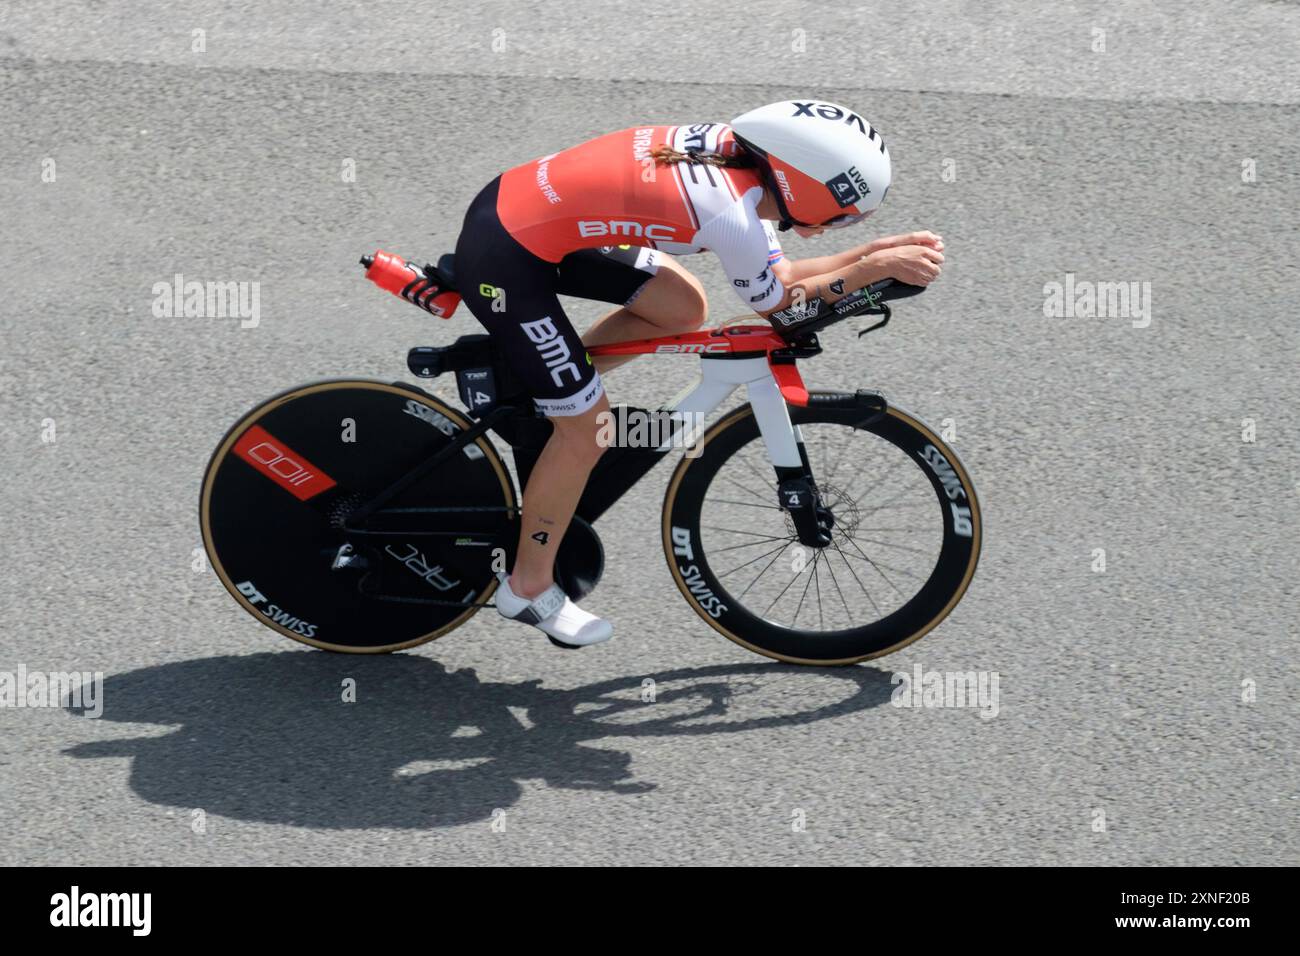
774, 251
746, 246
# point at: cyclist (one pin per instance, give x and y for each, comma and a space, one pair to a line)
604, 220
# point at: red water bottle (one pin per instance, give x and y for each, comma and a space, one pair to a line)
422, 287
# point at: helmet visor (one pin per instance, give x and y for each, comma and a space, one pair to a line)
839, 222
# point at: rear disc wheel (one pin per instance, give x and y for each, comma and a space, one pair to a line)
281, 487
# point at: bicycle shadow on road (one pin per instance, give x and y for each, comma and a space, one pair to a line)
268, 738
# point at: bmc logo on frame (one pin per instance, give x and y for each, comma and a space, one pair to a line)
587, 228
694, 347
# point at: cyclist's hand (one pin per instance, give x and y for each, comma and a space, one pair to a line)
913, 264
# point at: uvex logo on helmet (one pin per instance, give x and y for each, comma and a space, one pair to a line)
832, 112
823, 163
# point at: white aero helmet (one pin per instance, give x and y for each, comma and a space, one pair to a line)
824, 164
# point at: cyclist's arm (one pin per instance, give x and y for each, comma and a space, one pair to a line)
821, 265
766, 280
829, 286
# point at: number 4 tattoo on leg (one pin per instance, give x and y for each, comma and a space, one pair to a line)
542, 537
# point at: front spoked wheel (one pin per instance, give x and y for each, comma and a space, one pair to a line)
904, 545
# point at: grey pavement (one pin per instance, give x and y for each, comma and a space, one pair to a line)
1147, 712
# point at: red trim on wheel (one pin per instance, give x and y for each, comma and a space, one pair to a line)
277, 461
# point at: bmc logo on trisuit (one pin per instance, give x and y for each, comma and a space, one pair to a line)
553, 350
626, 227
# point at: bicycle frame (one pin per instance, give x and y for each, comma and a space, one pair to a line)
753, 356
732, 357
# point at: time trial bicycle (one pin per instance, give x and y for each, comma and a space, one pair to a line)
812, 526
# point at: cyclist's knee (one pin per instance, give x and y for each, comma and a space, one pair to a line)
674, 301
692, 306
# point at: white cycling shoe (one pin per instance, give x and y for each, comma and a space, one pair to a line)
554, 614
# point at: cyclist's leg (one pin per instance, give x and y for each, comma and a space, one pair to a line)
512, 294
554, 487
657, 295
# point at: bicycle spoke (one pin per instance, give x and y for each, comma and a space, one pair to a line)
761, 573
747, 490
821, 619
793, 579
894, 507
900, 547
749, 544
888, 567
747, 504
765, 479
754, 534
799, 606
856, 578
878, 565
834, 580
888, 502
883, 482
829, 465
880, 572
751, 561
835, 464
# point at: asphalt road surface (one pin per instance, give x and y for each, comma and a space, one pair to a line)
1147, 709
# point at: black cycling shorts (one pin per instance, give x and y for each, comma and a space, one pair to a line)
513, 294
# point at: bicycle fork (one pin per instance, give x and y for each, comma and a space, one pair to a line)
772, 384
